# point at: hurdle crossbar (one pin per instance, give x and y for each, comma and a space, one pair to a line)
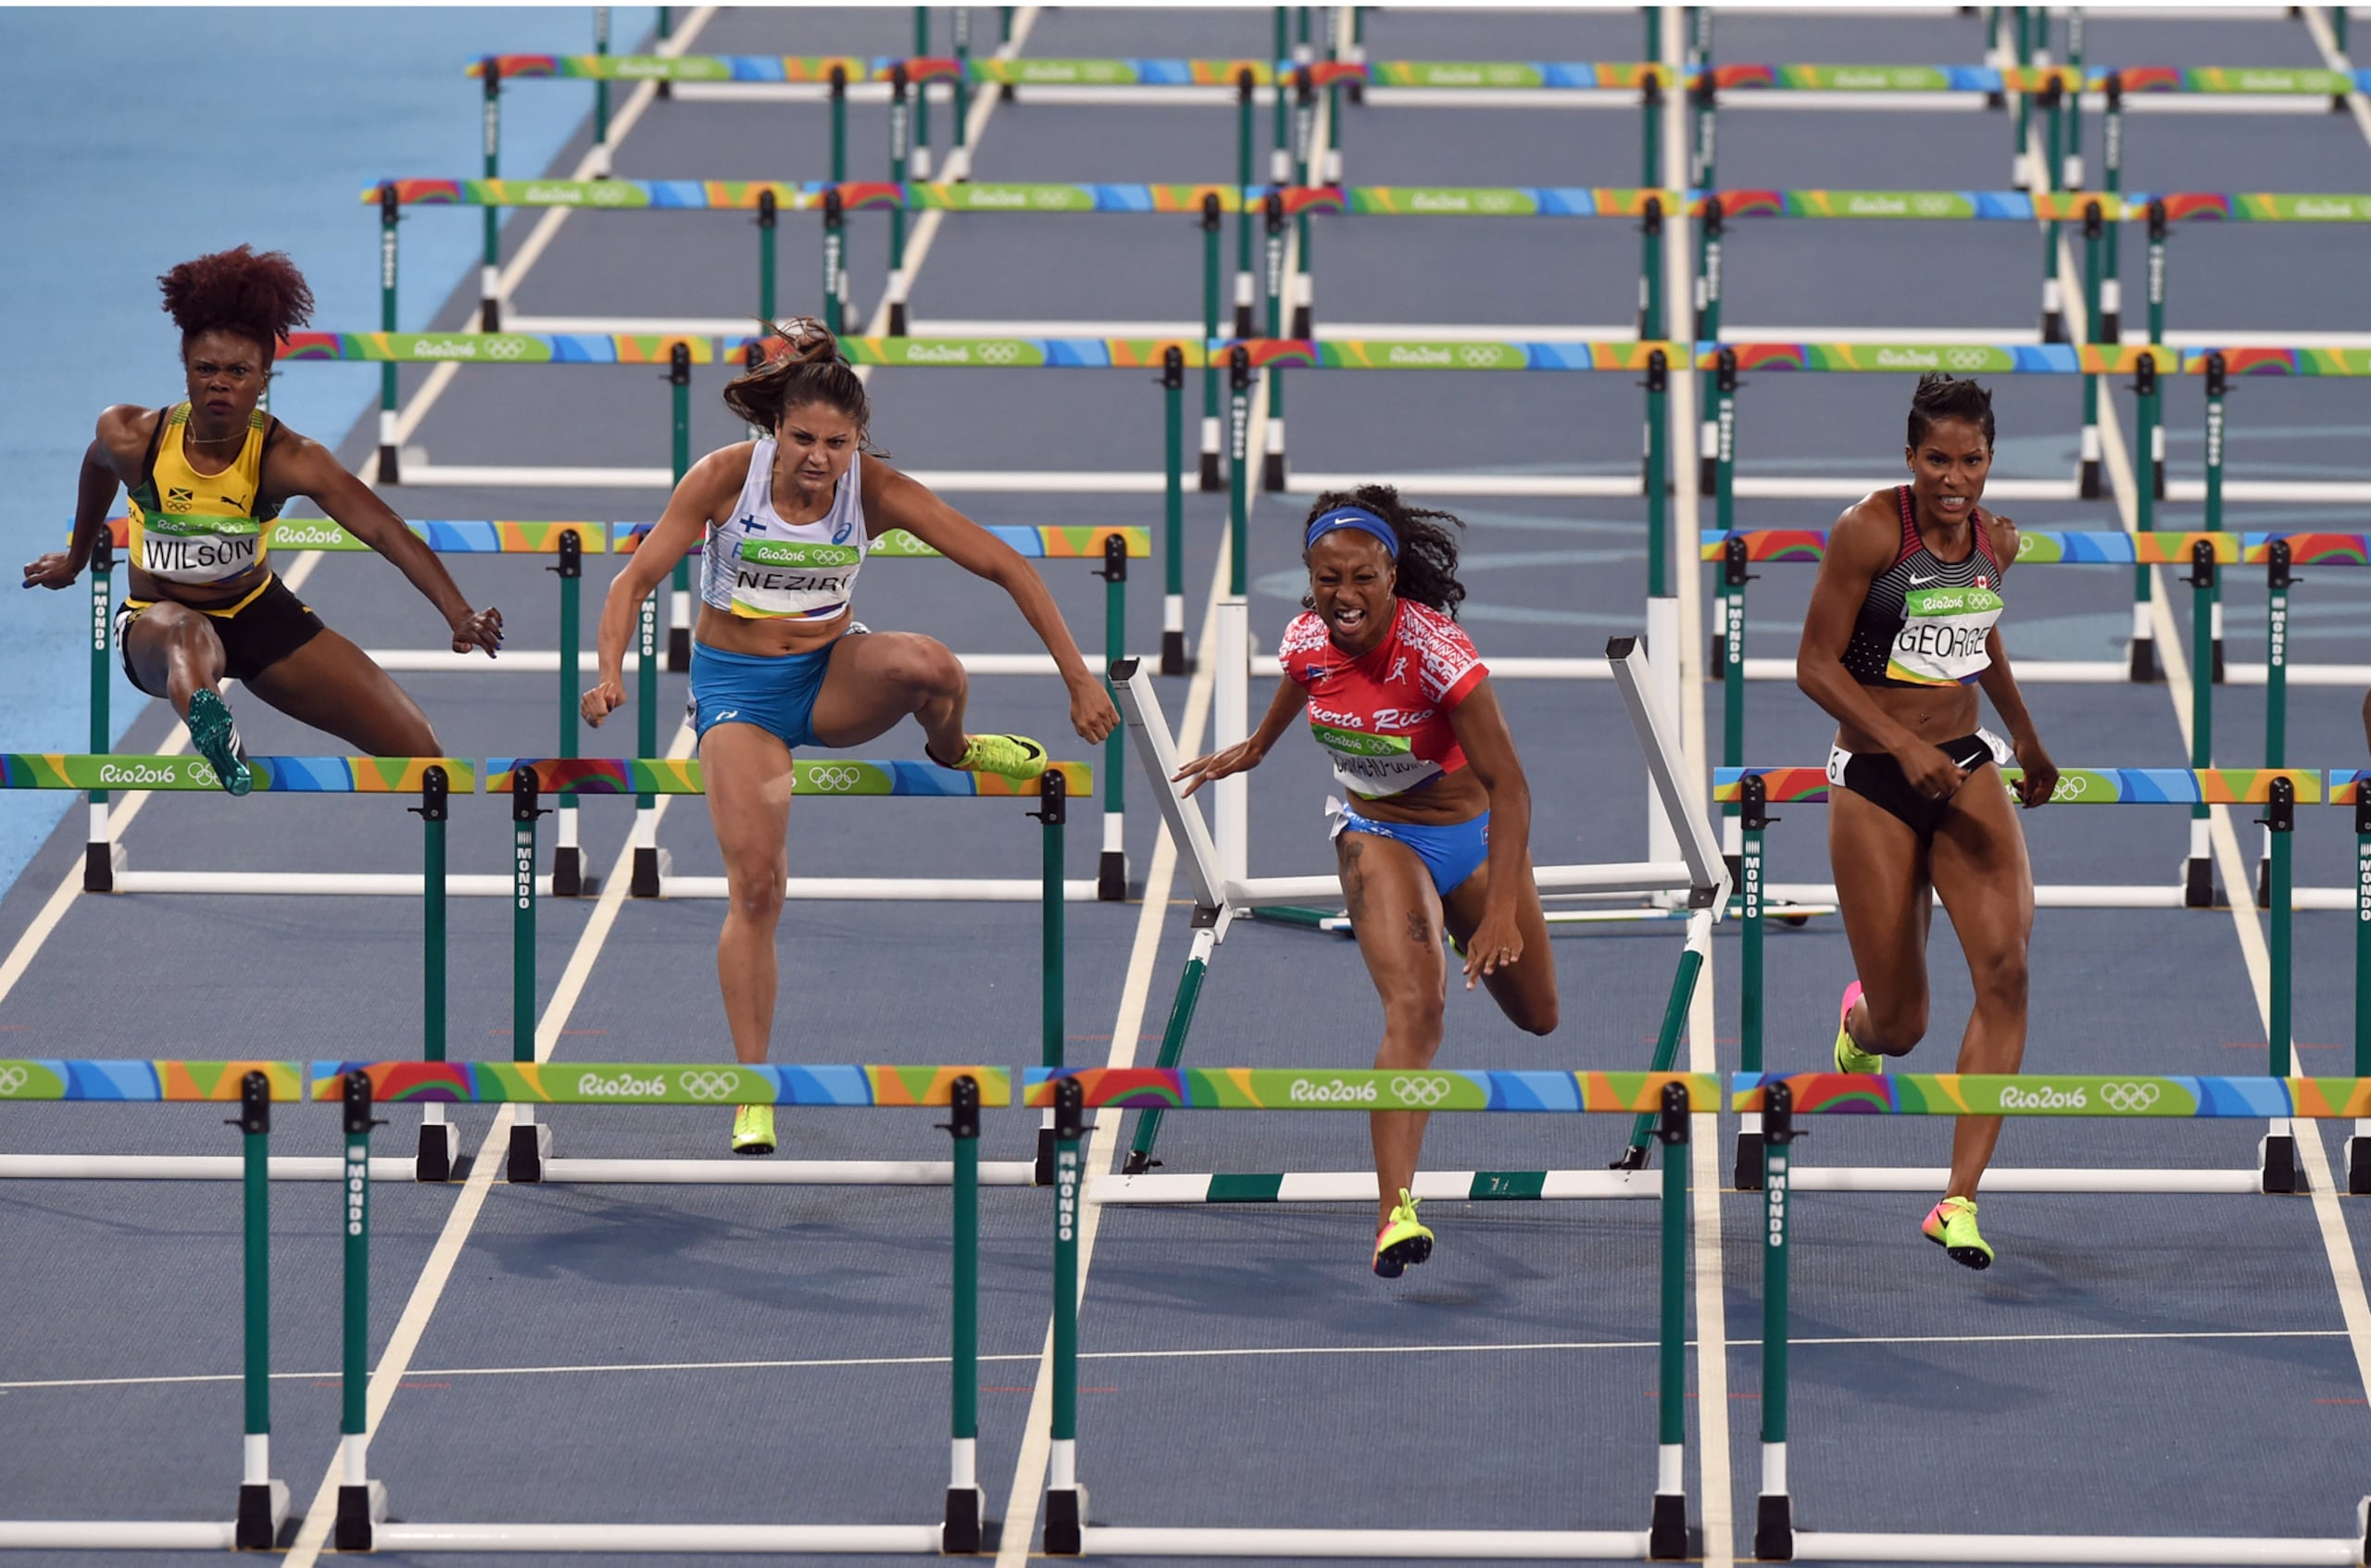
2279, 791
1669, 1099
1775, 1100
963, 1524
526, 780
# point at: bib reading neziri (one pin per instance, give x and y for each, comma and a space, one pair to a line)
775, 577
1943, 633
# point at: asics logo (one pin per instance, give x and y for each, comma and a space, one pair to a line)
2130, 1098
12, 1079
711, 1085
1425, 1089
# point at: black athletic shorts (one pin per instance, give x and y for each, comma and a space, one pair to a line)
1877, 778
256, 635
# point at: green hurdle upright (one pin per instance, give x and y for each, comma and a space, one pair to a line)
1781, 1099
362, 1523
1670, 1098
526, 780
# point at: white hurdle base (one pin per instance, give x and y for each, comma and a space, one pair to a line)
646, 1538
1381, 1545
110, 1535
1922, 1179
788, 1173
1619, 487
1522, 668
1634, 876
910, 889
1357, 1187
2047, 895
186, 1168
1843, 1546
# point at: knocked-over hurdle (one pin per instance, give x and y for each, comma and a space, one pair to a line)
525, 780
1223, 894
251, 1086
362, 1502
2279, 791
1666, 1099
1776, 1100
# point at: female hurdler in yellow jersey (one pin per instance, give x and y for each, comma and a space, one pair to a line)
205, 477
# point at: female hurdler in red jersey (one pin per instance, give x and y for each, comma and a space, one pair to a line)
1437, 833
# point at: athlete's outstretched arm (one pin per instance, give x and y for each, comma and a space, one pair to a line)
1245, 755
1480, 726
702, 496
1860, 547
113, 452
892, 500
296, 466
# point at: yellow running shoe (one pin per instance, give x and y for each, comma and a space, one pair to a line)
753, 1129
1850, 1057
1402, 1241
1015, 756
1951, 1225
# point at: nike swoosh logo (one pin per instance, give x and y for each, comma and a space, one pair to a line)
1922, 581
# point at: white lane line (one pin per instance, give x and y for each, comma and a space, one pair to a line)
2346, 1272
1020, 1516
2317, 27
1255, 1352
1715, 1511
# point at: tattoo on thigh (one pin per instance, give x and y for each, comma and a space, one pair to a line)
1420, 930
1354, 882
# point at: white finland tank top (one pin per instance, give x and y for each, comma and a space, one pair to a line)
756, 566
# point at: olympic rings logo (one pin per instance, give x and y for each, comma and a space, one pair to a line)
1481, 356
1931, 206
2130, 1098
1494, 202
506, 349
834, 778
711, 1085
12, 1079
1428, 1090
2070, 786
609, 193
1968, 358
999, 354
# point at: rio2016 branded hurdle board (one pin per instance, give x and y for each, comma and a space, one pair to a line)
502, 1082
1266, 1088
661, 775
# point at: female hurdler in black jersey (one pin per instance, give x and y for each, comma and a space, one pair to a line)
1902, 628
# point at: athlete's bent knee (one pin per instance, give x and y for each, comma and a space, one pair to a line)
1539, 1018
2000, 978
1895, 1027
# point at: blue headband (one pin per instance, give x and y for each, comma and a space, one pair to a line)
1359, 518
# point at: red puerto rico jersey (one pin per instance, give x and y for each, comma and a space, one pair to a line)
1383, 718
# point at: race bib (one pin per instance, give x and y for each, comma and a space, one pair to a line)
1374, 765
782, 577
199, 549
1942, 637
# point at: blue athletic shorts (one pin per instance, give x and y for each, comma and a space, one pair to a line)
1451, 853
775, 692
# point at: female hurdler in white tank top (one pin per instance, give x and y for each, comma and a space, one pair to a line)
755, 566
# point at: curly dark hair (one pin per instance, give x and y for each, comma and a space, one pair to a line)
799, 361
257, 294
1427, 561
1943, 397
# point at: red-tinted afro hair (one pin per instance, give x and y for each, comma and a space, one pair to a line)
260, 297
